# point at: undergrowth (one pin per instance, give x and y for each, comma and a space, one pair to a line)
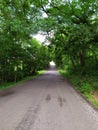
87, 84
12, 84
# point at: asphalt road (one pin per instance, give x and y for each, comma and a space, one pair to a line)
46, 103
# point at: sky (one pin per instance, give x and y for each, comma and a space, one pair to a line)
40, 37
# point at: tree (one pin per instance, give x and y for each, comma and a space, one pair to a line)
19, 53
73, 25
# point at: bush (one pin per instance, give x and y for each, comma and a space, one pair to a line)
85, 87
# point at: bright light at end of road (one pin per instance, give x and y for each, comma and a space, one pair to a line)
52, 63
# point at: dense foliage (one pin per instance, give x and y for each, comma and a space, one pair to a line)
75, 34
71, 27
20, 55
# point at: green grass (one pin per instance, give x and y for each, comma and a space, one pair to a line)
87, 85
12, 84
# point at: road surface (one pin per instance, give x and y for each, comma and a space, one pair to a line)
46, 103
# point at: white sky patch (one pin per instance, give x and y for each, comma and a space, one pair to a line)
45, 15
40, 37
52, 63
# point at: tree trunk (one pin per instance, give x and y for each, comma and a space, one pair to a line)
82, 62
73, 63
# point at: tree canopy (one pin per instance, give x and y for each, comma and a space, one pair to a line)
71, 27
20, 54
